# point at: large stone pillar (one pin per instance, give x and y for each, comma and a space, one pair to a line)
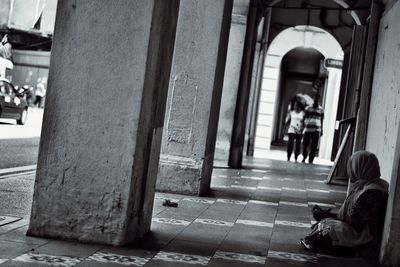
239, 125
108, 82
253, 99
231, 81
194, 96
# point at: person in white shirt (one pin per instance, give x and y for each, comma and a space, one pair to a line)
294, 125
40, 93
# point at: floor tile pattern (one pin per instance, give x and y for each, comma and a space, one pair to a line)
255, 223
183, 258
171, 221
214, 222
61, 261
119, 259
239, 257
251, 217
293, 257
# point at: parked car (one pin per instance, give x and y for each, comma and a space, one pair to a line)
13, 103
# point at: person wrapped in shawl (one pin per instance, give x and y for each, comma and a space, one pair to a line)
357, 227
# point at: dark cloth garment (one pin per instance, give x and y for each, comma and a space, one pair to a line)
38, 101
358, 226
292, 138
313, 119
366, 201
320, 213
368, 208
310, 140
321, 242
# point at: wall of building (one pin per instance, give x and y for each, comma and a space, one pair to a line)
383, 137
299, 36
231, 82
4, 12
49, 17
385, 99
28, 67
22, 14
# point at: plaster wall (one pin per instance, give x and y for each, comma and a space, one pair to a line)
383, 137
100, 117
230, 88
384, 116
4, 12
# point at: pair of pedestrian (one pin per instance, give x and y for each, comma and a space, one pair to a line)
304, 123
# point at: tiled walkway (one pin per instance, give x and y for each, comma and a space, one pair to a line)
252, 217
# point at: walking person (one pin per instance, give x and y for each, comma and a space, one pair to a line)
313, 122
40, 93
294, 126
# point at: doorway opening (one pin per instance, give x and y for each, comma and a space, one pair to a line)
294, 61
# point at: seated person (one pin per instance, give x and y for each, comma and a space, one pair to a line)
357, 227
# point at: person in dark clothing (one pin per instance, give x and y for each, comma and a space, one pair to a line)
313, 120
358, 225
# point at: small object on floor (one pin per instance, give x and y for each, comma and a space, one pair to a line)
169, 203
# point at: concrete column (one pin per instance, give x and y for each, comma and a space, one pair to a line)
108, 81
254, 92
239, 125
360, 134
230, 88
194, 96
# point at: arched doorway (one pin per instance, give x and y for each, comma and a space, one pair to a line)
305, 38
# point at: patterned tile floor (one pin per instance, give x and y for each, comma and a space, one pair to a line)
251, 217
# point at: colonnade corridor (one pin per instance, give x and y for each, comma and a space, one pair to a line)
253, 216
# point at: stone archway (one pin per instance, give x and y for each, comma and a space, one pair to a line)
291, 38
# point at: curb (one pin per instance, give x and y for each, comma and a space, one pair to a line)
16, 170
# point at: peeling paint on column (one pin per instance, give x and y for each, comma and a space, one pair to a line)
194, 95
183, 102
383, 137
385, 95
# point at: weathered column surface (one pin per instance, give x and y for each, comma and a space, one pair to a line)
383, 134
108, 83
231, 81
194, 96
239, 124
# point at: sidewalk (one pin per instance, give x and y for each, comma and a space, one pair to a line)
9, 129
251, 217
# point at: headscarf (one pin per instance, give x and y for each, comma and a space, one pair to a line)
364, 173
363, 165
